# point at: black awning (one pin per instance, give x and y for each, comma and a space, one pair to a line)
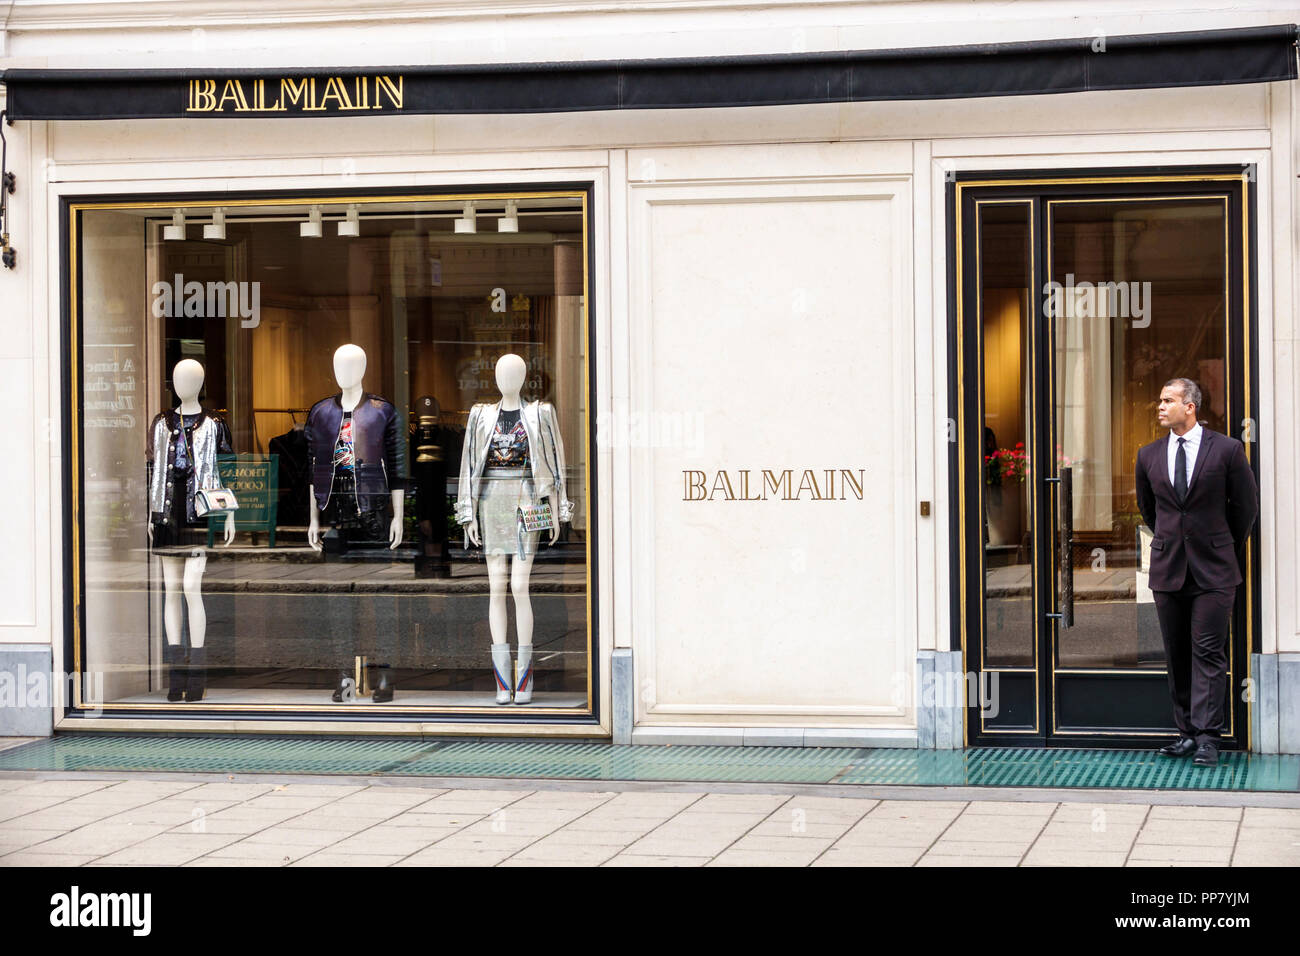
1205, 58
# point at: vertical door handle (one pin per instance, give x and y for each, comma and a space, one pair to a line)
1065, 500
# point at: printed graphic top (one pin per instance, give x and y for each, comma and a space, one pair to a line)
344, 456
509, 442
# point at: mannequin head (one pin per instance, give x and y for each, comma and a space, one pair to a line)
511, 372
349, 366
187, 379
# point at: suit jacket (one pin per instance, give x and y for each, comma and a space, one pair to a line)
1208, 531
545, 456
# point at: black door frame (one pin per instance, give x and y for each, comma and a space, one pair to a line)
965, 370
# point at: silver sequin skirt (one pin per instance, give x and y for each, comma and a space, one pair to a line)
502, 491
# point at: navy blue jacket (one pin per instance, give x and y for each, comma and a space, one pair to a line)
378, 444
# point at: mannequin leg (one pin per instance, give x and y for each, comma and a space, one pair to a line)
197, 681
520, 570
193, 582
173, 653
498, 621
498, 573
171, 569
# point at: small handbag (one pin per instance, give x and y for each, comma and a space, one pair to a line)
209, 501
214, 501
537, 517
533, 517
529, 518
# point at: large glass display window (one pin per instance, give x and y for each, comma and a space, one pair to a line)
330, 454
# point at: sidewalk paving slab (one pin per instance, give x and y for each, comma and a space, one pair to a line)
145, 819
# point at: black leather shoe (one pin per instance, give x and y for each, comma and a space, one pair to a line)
1207, 755
1182, 747
176, 672
384, 689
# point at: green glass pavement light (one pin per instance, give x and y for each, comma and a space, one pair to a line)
564, 760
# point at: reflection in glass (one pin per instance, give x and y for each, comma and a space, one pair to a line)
433, 310
1139, 299
1004, 280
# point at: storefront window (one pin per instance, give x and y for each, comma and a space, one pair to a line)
394, 393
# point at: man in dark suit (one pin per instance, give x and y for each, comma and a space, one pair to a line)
1197, 493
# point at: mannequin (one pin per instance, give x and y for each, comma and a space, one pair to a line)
182, 454
513, 457
356, 456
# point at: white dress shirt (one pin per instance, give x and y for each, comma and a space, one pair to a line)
1190, 448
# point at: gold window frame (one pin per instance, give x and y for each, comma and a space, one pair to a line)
74, 602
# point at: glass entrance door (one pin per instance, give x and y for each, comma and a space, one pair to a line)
1078, 300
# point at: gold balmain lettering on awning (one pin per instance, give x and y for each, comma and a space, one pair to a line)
302, 94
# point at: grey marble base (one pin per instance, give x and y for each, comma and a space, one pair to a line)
1263, 712
939, 721
1288, 703
26, 690
622, 695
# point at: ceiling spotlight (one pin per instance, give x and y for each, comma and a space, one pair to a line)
311, 229
510, 221
467, 222
350, 226
216, 229
176, 231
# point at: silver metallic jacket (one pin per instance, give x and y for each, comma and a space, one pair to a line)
545, 455
210, 437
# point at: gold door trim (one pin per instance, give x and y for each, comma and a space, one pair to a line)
1032, 343
1054, 624
1242, 180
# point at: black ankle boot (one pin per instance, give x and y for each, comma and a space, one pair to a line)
344, 680
385, 687
174, 655
198, 676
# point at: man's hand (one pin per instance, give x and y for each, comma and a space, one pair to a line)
1146, 499
1243, 496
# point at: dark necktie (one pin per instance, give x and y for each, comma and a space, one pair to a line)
1180, 472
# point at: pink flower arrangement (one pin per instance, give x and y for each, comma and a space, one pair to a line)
1010, 464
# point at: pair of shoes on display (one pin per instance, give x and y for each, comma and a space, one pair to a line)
346, 687
186, 674
503, 674
1182, 747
